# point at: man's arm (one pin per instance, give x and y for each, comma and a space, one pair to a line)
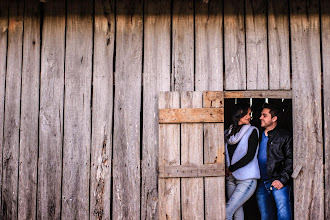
288, 161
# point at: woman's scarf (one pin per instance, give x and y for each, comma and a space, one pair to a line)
234, 139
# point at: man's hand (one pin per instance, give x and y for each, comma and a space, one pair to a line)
228, 173
277, 184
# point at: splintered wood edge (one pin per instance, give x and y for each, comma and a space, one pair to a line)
190, 171
193, 115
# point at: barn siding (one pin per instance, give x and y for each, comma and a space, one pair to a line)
90, 148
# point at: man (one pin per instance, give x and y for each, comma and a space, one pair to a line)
275, 163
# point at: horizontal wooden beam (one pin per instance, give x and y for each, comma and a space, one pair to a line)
193, 115
273, 94
189, 171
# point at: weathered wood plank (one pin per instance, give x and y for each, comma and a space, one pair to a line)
234, 37
191, 115
126, 139
12, 111
28, 155
156, 77
104, 31
3, 62
169, 154
307, 115
278, 45
256, 44
325, 21
205, 170
51, 111
208, 45
278, 94
192, 189
183, 46
213, 99
214, 148
77, 110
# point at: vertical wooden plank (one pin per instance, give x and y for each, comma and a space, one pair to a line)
183, 46
209, 45
307, 115
3, 62
12, 111
192, 189
156, 77
104, 30
209, 76
51, 111
169, 154
77, 110
234, 37
278, 45
126, 139
256, 45
28, 155
325, 21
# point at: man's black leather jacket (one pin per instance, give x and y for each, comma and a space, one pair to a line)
279, 155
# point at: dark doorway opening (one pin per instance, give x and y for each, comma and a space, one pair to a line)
251, 210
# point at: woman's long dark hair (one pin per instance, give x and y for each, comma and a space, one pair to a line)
240, 111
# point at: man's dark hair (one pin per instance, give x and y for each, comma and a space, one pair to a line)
273, 109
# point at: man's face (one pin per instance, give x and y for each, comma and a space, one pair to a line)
266, 118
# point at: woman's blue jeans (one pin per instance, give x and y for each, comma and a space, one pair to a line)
273, 202
238, 191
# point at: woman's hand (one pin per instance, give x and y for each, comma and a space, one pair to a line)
228, 173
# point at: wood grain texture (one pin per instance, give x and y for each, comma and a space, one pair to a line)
127, 120
325, 21
77, 110
192, 189
278, 45
28, 155
307, 115
169, 154
156, 77
12, 112
102, 108
51, 111
3, 62
256, 44
279, 94
191, 115
234, 37
208, 45
183, 46
204, 170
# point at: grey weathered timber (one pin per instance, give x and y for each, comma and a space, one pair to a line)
12, 112
325, 21
307, 109
127, 121
258, 94
28, 155
278, 45
208, 46
214, 148
192, 189
3, 61
183, 46
256, 44
192, 170
156, 77
77, 110
102, 109
169, 154
51, 111
234, 37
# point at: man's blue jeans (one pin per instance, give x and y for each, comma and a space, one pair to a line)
273, 202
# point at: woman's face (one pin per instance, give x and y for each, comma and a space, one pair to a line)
245, 119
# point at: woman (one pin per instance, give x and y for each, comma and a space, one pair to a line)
242, 170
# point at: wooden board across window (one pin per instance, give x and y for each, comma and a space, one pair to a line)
184, 130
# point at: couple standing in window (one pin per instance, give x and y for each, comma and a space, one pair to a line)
260, 163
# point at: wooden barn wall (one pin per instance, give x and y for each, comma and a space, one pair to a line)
79, 83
